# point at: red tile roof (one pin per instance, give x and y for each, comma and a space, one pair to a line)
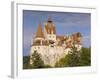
39, 32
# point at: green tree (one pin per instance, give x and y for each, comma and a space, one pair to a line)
85, 59
37, 61
76, 58
70, 60
62, 62
73, 59
26, 62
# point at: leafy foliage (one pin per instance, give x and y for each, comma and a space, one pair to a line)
70, 60
26, 62
37, 61
73, 59
85, 59
76, 58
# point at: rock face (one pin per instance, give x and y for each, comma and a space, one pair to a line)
51, 46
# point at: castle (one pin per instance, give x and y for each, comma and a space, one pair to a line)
53, 47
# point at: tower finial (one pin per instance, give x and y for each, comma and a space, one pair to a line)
49, 19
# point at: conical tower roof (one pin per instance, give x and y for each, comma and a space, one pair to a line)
39, 33
50, 26
49, 19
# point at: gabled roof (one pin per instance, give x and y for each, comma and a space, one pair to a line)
61, 38
39, 33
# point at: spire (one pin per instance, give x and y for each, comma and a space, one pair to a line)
39, 32
78, 34
50, 27
49, 19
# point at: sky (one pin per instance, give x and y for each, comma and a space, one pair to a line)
66, 23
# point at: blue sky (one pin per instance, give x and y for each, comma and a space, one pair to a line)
66, 24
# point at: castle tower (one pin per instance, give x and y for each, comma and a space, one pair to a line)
77, 40
39, 33
50, 30
38, 39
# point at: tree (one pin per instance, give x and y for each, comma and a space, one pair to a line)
73, 58
70, 60
37, 61
26, 62
62, 62
76, 58
85, 59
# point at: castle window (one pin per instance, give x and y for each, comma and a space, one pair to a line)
51, 45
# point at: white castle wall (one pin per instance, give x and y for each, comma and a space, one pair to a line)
51, 37
50, 55
78, 46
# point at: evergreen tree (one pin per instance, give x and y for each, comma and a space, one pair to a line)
37, 61
70, 60
85, 59
62, 62
26, 62
73, 59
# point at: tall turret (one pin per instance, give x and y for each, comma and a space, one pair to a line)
50, 30
39, 33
